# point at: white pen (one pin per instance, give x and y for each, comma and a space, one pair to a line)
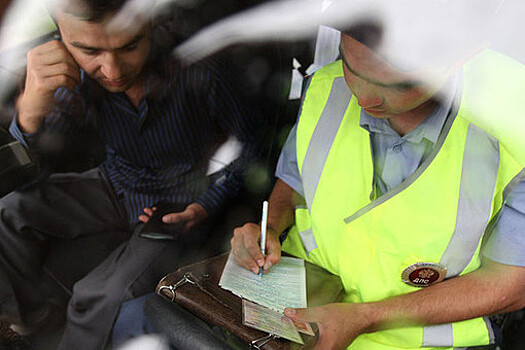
264, 223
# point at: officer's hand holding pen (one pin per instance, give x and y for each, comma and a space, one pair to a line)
246, 247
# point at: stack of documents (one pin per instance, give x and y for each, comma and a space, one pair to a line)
283, 286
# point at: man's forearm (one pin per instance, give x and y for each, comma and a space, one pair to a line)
28, 124
493, 289
281, 209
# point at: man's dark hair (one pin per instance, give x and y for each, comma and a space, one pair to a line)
368, 32
91, 10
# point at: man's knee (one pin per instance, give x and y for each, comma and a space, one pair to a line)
20, 209
90, 298
10, 206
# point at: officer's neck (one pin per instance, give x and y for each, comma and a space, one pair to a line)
408, 121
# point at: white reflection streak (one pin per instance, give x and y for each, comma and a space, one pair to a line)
146, 342
278, 20
135, 13
23, 21
437, 35
416, 32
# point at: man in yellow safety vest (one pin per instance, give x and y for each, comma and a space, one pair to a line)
389, 184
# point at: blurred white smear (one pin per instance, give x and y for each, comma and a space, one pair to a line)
416, 34
137, 12
276, 20
134, 13
225, 154
24, 21
414, 31
431, 36
146, 342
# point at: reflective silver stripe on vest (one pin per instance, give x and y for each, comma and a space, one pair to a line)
319, 147
323, 137
438, 335
506, 192
308, 239
478, 181
492, 337
442, 335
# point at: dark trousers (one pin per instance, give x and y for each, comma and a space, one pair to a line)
70, 206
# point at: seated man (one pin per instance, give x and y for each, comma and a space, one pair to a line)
161, 121
401, 190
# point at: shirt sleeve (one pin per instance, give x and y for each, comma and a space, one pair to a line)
506, 243
237, 120
58, 128
18, 134
287, 169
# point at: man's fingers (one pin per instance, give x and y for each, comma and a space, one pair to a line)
244, 246
38, 59
148, 211
62, 68
312, 315
50, 53
50, 60
172, 218
254, 250
247, 250
176, 218
144, 218
49, 47
273, 252
61, 80
305, 315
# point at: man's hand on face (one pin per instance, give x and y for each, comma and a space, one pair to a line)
247, 251
339, 324
49, 66
188, 218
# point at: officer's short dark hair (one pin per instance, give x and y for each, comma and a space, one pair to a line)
367, 32
91, 10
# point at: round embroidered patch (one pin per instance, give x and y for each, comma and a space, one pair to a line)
424, 274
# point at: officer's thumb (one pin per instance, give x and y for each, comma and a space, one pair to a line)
305, 315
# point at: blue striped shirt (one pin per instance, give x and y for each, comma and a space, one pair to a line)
160, 150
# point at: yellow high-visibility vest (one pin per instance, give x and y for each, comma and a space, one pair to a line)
439, 215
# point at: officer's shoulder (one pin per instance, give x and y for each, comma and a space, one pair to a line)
330, 71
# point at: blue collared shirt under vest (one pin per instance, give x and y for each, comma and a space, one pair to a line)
397, 157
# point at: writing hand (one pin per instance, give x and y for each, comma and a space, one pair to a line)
246, 249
